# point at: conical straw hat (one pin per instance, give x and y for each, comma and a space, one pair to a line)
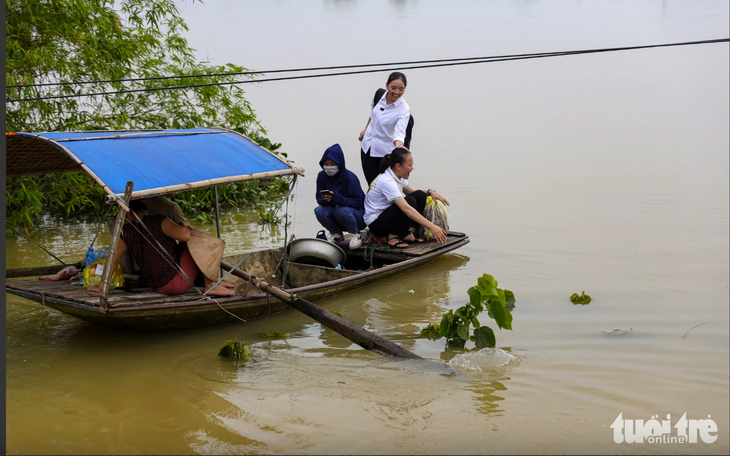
207, 251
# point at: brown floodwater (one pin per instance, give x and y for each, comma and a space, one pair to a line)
604, 173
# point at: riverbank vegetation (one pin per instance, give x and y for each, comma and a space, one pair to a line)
104, 46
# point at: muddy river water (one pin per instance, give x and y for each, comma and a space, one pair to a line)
601, 173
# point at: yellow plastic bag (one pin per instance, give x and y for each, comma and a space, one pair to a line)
94, 271
436, 213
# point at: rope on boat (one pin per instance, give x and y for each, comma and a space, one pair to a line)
291, 187
175, 265
204, 295
369, 253
97, 233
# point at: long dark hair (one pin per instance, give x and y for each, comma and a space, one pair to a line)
397, 75
397, 157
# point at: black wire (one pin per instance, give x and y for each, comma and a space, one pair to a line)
31, 240
340, 67
293, 70
454, 63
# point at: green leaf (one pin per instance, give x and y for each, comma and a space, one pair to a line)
462, 313
463, 331
431, 332
498, 311
510, 299
485, 285
475, 298
227, 352
484, 337
445, 324
500, 296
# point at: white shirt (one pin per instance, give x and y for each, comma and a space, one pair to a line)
385, 189
388, 122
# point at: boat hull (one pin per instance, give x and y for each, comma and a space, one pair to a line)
196, 312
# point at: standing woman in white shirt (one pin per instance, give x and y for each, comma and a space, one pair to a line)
392, 206
386, 127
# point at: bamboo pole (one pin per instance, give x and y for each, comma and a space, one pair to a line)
209, 183
107, 274
347, 329
217, 213
138, 134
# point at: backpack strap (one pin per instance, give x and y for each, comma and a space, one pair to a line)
378, 95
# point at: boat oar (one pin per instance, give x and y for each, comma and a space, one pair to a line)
347, 329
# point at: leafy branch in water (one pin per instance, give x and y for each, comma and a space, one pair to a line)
236, 350
582, 299
455, 324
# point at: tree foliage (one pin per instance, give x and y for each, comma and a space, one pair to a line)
99, 42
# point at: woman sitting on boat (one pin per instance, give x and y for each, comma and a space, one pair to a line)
392, 206
163, 271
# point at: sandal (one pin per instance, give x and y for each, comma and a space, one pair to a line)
415, 239
398, 245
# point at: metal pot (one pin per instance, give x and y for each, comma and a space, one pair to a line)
317, 252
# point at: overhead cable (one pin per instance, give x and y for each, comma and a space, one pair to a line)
418, 64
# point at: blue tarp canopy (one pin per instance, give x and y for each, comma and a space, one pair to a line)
158, 161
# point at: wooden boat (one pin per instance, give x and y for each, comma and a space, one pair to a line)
139, 308
144, 309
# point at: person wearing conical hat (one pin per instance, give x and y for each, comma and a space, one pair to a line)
161, 250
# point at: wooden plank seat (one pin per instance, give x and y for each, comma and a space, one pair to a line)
117, 298
414, 249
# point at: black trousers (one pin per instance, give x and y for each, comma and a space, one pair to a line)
370, 166
395, 221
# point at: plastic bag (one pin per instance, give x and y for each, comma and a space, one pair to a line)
96, 254
436, 213
94, 271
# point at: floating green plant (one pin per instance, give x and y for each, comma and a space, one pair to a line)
455, 324
234, 349
583, 298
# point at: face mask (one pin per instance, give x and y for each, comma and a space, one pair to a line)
331, 170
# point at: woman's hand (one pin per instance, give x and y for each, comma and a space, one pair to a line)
437, 197
400, 145
438, 233
327, 197
362, 133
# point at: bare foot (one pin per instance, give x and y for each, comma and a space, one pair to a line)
228, 285
64, 274
221, 291
411, 238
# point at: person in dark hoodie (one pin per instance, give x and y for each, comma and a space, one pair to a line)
341, 201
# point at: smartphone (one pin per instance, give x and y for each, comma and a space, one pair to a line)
324, 192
